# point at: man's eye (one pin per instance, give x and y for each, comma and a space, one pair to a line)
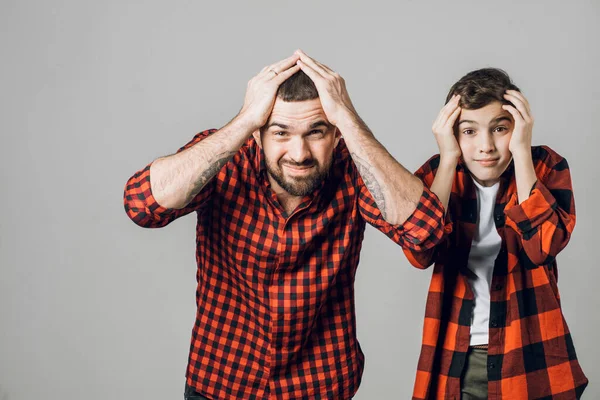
316, 132
501, 129
468, 131
279, 133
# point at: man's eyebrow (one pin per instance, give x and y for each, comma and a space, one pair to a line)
279, 124
320, 123
468, 121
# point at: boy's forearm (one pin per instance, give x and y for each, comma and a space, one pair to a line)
524, 173
444, 177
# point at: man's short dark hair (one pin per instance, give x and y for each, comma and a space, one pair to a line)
298, 87
479, 88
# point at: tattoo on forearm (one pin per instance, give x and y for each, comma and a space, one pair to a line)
371, 182
210, 172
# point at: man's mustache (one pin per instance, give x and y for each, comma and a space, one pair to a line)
305, 163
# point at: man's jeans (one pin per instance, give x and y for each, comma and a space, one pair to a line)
191, 394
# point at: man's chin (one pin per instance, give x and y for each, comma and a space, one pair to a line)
300, 187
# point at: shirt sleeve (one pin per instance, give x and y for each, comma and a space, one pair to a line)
546, 219
422, 230
424, 257
143, 209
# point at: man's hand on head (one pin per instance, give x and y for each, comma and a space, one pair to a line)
262, 90
334, 97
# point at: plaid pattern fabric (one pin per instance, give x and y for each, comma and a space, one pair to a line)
531, 353
275, 292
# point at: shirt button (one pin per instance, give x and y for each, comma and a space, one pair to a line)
491, 365
494, 324
498, 286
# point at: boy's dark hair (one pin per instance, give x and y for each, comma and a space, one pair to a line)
298, 87
479, 88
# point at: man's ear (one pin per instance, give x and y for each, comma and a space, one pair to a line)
338, 136
256, 135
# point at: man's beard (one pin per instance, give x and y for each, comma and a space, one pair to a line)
299, 186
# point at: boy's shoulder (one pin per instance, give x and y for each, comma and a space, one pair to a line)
546, 155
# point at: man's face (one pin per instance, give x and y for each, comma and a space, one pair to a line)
298, 143
483, 136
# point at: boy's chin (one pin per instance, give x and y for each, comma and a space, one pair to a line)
486, 178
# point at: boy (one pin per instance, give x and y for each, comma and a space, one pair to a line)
493, 323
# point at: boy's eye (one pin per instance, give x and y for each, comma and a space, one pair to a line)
279, 133
468, 131
500, 129
316, 132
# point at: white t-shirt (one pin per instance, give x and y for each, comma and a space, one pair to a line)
484, 250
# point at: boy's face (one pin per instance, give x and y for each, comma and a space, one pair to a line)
483, 136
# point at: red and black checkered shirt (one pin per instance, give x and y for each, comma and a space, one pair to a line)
531, 353
275, 292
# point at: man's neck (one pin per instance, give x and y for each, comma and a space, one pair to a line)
288, 201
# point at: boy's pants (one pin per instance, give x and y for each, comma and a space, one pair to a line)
474, 382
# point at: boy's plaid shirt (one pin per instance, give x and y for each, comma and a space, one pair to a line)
531, 353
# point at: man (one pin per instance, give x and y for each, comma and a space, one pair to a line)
493, 327
282, 194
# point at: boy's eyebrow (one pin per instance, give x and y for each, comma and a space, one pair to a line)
502, 118
468, 121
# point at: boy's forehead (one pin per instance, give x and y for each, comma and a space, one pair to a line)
297, 112
484, 114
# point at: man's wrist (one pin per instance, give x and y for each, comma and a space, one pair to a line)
350, 123
244, 123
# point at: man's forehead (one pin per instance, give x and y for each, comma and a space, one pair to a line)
297, 113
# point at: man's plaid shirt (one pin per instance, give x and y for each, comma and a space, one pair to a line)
275, 292
531, 353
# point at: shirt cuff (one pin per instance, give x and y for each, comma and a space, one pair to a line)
149, 200
428, 224
530, 213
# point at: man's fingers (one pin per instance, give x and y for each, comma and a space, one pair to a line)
306, 60
284, 75
275, 69
312, 74
324, 67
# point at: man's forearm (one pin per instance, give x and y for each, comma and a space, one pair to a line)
175, 180
395, 190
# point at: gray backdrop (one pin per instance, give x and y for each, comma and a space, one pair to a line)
94, 307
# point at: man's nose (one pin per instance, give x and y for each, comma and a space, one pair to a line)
299, 151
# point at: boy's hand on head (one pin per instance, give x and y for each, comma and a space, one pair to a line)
334, 97
522, 132
262, 90
443, 130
